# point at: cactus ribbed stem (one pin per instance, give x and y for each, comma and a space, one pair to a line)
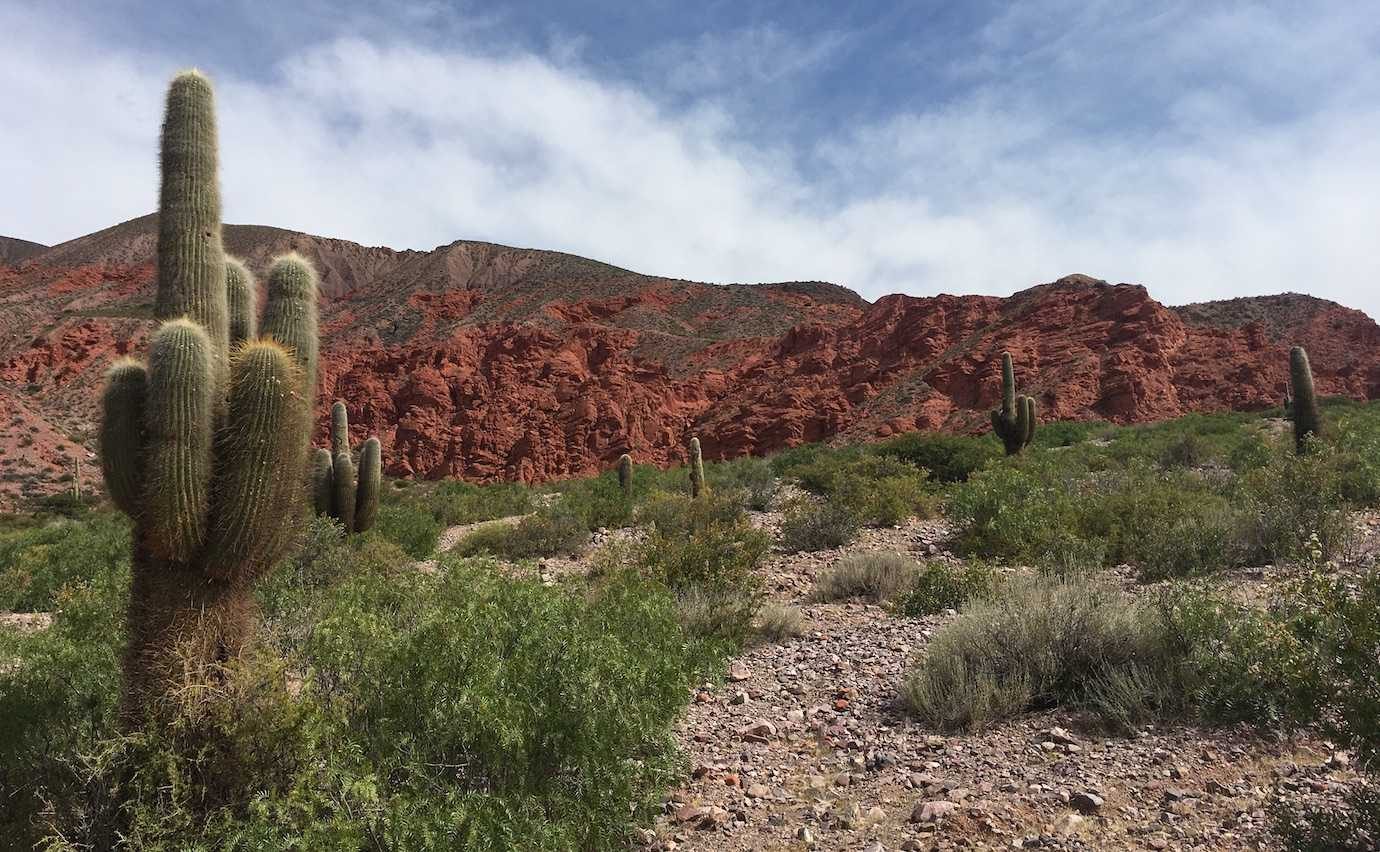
625, 474
321, 480
122, 434
696, 469
262, 438
241, 302
179, 425
1304, 403
290, 313
343, 491
370, 480
191, 261
340, 429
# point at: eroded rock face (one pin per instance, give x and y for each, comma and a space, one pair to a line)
486, 362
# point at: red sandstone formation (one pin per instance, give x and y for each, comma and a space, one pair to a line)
486, 362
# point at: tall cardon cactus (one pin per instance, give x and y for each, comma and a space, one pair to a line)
1301, 405
696, 469
204, 445
1014, 422
349, 496
625, 474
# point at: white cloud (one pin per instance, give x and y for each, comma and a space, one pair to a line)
386, 142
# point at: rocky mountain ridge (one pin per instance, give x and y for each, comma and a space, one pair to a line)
486, 362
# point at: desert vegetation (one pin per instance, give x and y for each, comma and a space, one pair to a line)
263, 646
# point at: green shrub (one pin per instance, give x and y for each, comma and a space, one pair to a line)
410, 527
455, 710
947, 458
752, 476
456, 503
553, 531
939, 586
58, 690
38, 561
598, 503
706, 552
1294, 499
880, 490
1041, 643
876, 576
818, 525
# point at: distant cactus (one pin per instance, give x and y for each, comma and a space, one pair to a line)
204, 448
696, 469
347, 494
1014, 422
625, 473
1301, 405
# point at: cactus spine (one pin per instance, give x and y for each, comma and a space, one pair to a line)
347, 494
1302, 404
696, 469
1014, 422
205, 447
625, 474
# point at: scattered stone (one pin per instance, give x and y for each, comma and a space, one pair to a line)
1086, 803
759, 731
932, 811
738, 671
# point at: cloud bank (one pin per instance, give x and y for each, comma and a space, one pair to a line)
1205, 155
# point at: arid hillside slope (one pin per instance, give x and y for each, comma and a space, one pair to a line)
485, 362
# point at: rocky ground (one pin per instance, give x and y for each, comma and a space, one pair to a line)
805, 746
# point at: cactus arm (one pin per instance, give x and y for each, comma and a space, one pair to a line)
290, 315
262, 451
321, 481
240, 302
191, 262
1008, 387
340, 429
1030, 419
370, 480
343, 491
178, 422
122, 434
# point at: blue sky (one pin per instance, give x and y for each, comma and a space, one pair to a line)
1205, 149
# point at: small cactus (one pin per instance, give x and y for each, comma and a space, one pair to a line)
1301, 405
1014, 422
625, 473
339, 489
696, 469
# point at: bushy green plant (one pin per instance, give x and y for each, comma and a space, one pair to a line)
552, 531
875, 576
818, 524
1295, 499
410, 527
947, 458
38, 561
880, 490
1040, 643
599, 502
455, 503
457, 709
939, 586
752, 476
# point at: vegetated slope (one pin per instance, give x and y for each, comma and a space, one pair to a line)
14, 251
488, 362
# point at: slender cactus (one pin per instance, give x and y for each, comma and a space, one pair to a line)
355, 503
625, 473
1014, 422
1303, 403
205, 447
696, 469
